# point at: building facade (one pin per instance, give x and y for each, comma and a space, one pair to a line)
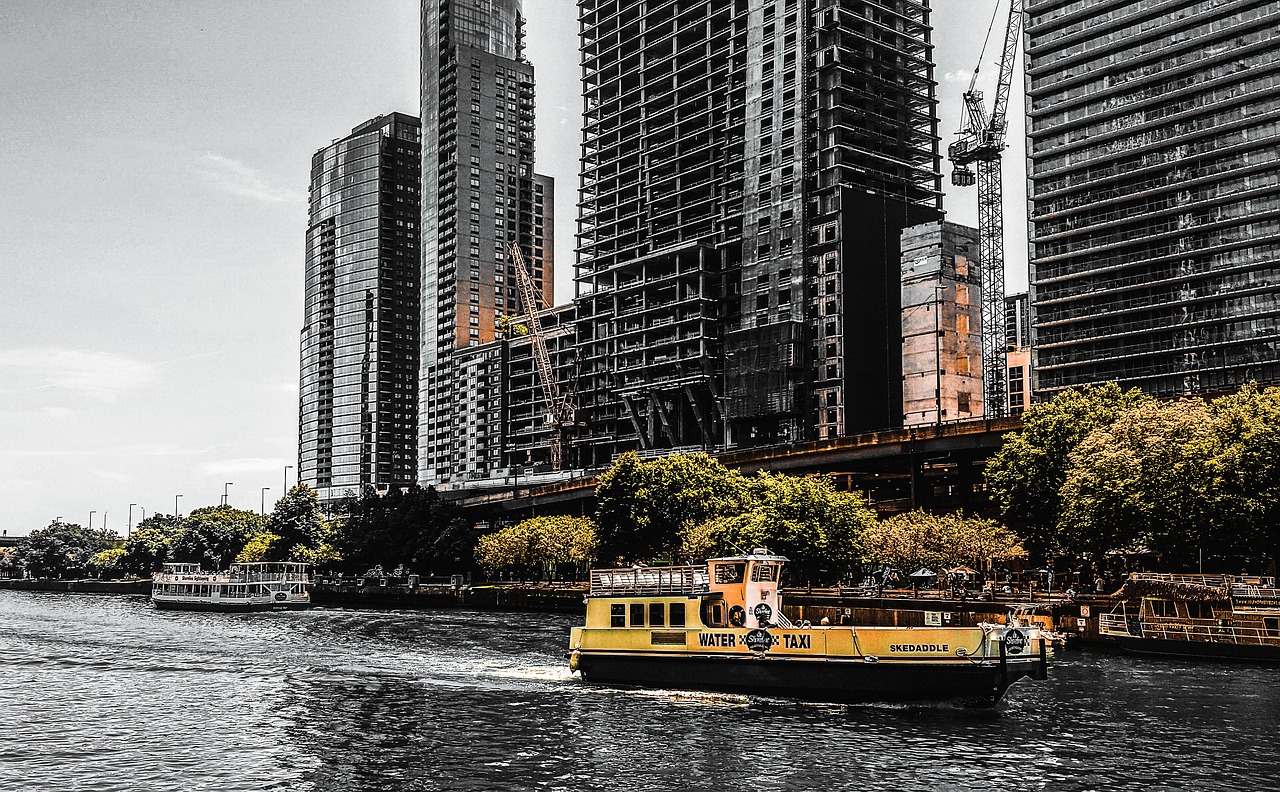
941, 324
480, 194
1017, 337
1155, 193
357, 397
747, 168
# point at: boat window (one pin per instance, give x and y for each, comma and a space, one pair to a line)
618, 615
677, 614
637, 614
1162, 608
1272, 626
764, 573
1200, 610
713, 613
730, 573
656, 615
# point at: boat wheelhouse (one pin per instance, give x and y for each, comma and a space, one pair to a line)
261, 585
721, 627
1224, 617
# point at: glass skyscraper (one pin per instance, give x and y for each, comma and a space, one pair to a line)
357, 401
479, 194
1155, 193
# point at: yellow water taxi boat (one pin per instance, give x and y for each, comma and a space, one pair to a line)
721, 627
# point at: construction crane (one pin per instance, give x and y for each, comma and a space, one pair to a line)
981, 142
560, 407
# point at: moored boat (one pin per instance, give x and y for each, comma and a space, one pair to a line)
1221, 617
264, 585
721, 627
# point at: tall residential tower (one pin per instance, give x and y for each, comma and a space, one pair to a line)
747, 168
479, 194
357, 402
1155, 193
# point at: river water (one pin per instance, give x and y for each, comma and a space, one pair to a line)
105, 693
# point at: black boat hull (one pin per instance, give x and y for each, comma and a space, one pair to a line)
224, 607
1208, 650
828, 680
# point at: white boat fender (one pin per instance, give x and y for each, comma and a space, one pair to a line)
870, 659
574, 660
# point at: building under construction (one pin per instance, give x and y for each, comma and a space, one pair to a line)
1155, 193
747, 168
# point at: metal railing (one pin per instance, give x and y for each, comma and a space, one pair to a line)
649, 581
1116, 624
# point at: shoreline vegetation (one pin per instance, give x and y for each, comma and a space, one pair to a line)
1097, 479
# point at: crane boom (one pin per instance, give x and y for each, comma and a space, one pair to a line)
559, 409
980, 143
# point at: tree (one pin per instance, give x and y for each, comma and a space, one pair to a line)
1141, 482
8, 562
938, 541
1242, 453
643, 506
1026, 475
150, 546
60, 549
539, 542
414, 527
258, 548
298, 525
213, 536
106, 561
818, 528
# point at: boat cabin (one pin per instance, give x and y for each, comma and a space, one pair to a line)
733, 591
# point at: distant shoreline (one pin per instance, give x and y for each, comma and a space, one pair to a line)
83, 586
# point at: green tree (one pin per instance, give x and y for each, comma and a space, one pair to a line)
1242, 453
60, 549
150, 546
258, 548
643, 506
1142, 482
415, 528
543, 543
107, 561
213, 536
805, 519
938, 541
298, 523
1025, 477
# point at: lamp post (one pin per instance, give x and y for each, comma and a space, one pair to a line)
287, 468
144, 513
225, 487
129, 530
175, 507
104, 521
91, 513
262, 505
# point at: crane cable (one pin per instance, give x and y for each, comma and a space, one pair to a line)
981, 54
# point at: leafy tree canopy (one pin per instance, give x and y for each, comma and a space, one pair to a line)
213, 536
60, 549
150, 546
297, 521
415, 528
938, 541
1026, 475
541, 542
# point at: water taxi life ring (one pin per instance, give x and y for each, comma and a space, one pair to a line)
737, 616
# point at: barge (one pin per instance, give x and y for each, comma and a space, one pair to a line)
721, 627
256, 586
1219, 617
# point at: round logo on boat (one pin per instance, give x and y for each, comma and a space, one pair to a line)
737, 616
1015, 641
763, 613
281, 596
759, 640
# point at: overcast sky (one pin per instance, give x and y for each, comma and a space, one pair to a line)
155, 160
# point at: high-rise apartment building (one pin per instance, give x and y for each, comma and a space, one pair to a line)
357, 399
1017, 336
479, 194
941, 324
747, 168
1155, 193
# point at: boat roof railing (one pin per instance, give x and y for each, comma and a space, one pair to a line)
647, 580
1222, 581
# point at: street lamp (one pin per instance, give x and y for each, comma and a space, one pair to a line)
91, 513
129, 530
262, 506
104, 521
287, 468
175, 507
224, 492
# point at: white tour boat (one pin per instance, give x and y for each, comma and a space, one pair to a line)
260, 585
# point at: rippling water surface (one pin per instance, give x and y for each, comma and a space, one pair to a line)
105, 693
